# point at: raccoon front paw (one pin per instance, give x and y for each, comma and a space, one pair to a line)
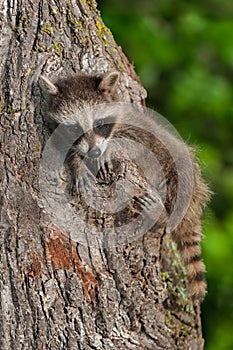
106, 166
105, 171
112, 169
150, 204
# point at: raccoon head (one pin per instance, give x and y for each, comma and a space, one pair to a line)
66, 99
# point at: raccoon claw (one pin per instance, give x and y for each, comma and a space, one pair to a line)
147, 201
105, 168
151, 204
103, 171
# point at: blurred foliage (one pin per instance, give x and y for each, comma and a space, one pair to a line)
183, 53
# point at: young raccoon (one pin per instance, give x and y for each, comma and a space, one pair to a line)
64, 102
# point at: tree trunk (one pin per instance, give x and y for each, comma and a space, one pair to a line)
57, 293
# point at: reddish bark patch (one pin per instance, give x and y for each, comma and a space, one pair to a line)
88, 278
63, 255
58, 250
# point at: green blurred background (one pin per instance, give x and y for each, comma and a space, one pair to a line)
183, 53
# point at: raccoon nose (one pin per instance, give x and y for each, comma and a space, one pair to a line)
95, 152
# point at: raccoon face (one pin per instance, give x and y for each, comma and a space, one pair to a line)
64, 99
93, 143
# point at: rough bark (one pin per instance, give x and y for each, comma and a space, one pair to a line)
55, 293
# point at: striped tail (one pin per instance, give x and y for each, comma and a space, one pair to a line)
190, 251
188, 236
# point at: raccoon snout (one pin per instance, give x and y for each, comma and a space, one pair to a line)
95, 152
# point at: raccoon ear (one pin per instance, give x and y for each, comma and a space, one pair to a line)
109, 82
47, 86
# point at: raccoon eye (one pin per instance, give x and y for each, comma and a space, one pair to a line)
99, 123
103, 127
74, 129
